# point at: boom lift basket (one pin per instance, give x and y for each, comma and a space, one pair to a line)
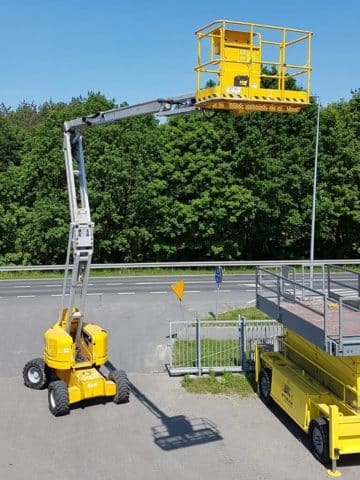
245, 67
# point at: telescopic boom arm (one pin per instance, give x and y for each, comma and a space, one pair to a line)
81, 235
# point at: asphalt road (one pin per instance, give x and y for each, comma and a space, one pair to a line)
155, 285
128, 285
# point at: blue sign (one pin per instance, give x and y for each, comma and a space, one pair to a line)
218, 274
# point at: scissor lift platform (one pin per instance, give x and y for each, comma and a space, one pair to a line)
328, 317
315, 375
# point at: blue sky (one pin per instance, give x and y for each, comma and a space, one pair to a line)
140, 50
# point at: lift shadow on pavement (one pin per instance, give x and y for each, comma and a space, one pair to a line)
177, 431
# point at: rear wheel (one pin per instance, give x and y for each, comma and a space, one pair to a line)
58, 397
36, 374
319, 438
121, 381
264, 385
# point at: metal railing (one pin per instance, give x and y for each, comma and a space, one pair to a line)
349, 284
323, 316
201, 346
174, 265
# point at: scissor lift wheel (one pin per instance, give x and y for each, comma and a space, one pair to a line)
265, 385
319, 438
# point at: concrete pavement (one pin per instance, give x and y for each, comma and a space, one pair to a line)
162, 433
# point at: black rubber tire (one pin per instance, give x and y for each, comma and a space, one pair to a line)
264, 385
121, 381
319, 439
58, 397
36, 374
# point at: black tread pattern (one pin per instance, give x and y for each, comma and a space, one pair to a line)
121, 381
323, 426
265, 377
43, 370
59, 391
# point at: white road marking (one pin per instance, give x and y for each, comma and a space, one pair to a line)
192, 291
59, 295
53, 285
223, 291
251, 301
23, 286
25, 296
188, 282
159, 292
126, 293
345, 291
93, 294
250, 290
249, 284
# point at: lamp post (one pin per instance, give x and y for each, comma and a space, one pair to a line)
312, 242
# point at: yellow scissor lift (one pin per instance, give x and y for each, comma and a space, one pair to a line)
315, 377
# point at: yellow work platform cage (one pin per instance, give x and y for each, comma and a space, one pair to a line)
245, 67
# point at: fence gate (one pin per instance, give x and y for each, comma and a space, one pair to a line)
201, 346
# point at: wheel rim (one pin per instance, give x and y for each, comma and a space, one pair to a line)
33, 375
52, 399
318, 441
264, 387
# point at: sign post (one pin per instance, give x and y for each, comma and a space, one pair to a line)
218, 280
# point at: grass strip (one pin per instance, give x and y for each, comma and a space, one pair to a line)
250, 313
124, 272
228, 384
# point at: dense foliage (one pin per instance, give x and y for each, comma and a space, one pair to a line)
191, 188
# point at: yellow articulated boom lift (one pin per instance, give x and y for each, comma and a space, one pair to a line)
231, 52
315, 376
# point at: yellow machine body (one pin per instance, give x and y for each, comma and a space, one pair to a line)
307, 383
59, 346
230, 67
85, 382
83, 379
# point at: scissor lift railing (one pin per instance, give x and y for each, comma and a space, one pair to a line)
333, 324
347, 284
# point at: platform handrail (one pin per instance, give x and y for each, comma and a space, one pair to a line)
323, 307
337, 282
284, 289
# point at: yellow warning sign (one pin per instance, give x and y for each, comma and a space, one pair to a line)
178, 288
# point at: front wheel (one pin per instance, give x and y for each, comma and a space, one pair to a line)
36, 374
264, 385
319, 439
121, 381
58, 397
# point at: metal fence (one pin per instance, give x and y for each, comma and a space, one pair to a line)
174, 265
201, 346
